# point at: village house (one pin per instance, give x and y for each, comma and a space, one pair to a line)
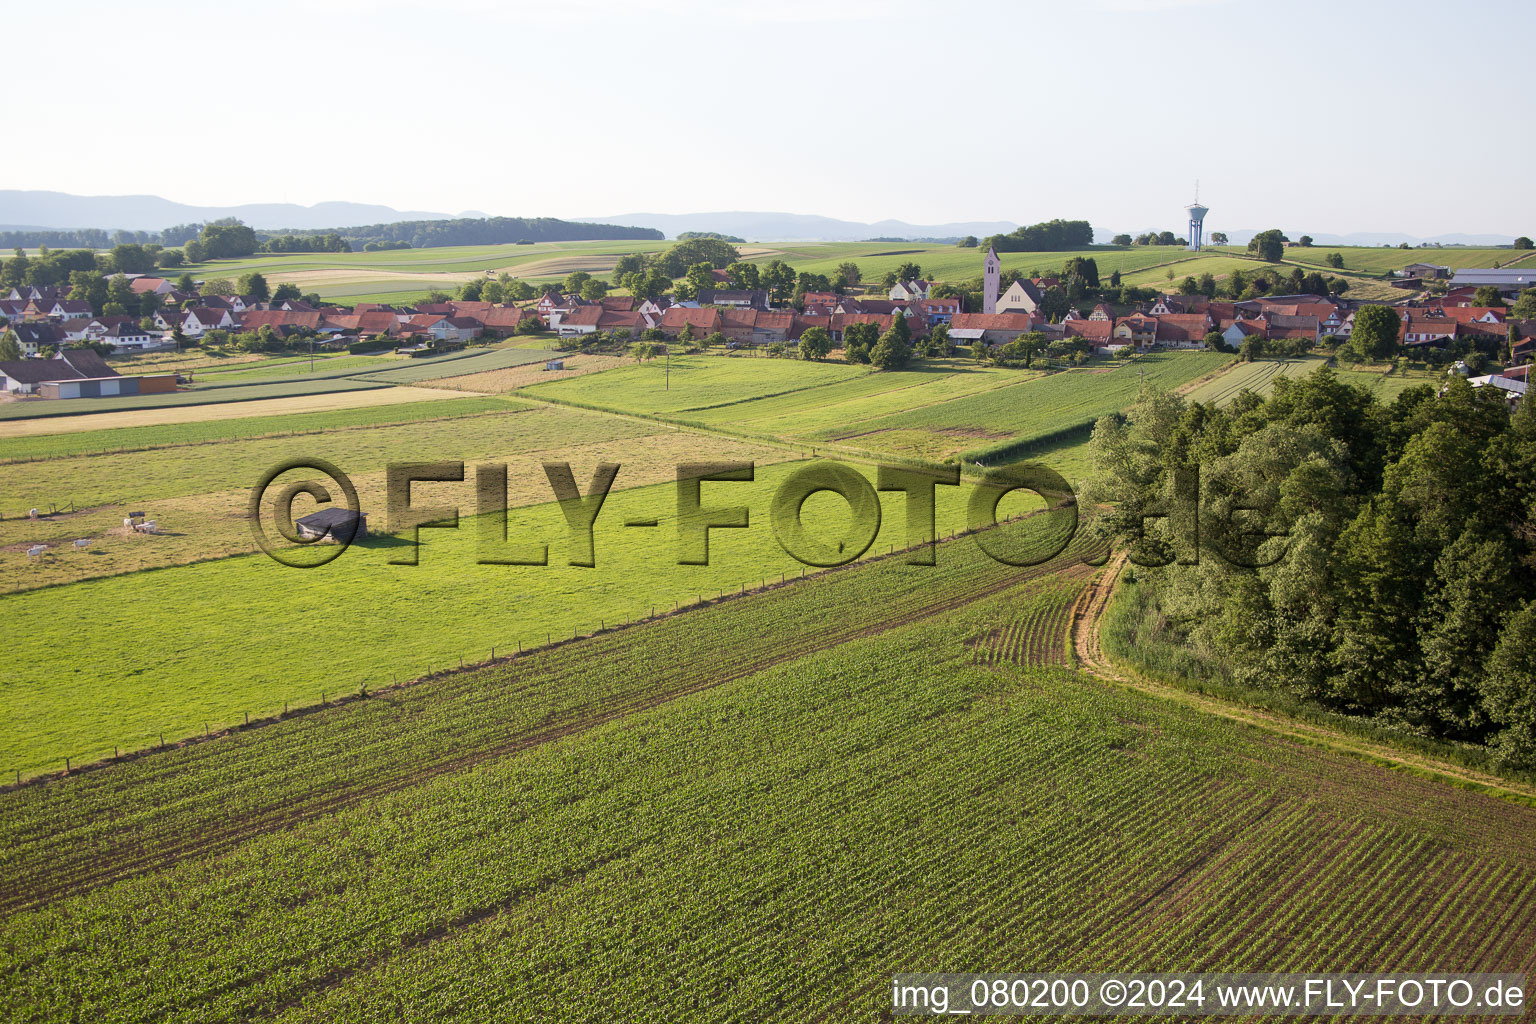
937, 311
1437, 330
201, 319
1021, 297
1138, 330
697, 322
991, 328
740, 298
59, 309
151, 285
92, 329
840, 322
126, 334
594, 318
910, 291
34, 337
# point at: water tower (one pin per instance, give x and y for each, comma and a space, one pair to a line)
1196, 220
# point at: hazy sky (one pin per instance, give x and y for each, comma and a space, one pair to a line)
1336, 116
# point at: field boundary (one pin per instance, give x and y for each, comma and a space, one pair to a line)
1094, 660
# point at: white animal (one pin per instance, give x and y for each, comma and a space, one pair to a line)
36, 551
83, 542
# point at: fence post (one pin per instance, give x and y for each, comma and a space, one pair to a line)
66, 766
247, 718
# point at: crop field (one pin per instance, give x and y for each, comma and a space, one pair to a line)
693, 383
1258, 376
824, 410
744, 798
1033, 409
942, 410
1190, 265
1378, 260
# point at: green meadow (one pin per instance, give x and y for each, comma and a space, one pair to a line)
209, 642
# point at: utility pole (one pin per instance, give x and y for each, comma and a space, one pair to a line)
311, 353
669, 367
1141, 379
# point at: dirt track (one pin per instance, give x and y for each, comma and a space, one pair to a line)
1089, 649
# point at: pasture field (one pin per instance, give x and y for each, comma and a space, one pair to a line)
745, 800
512, 378
1387, 382
470, 361
198, 494
197, 359
323, 401
167, 435
192, 656
1258, 376
297, 369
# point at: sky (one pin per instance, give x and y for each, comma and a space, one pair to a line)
1321, 117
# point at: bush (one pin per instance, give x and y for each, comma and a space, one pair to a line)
364, 346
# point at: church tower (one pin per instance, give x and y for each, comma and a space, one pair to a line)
993, 275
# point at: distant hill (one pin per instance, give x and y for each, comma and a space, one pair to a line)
799, 227
30, 209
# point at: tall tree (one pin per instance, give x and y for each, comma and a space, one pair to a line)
254, 286
1375, 332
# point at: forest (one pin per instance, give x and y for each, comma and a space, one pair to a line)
1374, 560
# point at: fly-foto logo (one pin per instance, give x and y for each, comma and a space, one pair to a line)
343, 522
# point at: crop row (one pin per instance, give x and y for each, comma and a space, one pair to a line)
764, 850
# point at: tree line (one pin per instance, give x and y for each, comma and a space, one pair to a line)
1376, 560
1047, 236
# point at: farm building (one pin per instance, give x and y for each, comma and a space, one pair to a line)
1509, 281
339, 525
108, 387
1514, 390
25, 376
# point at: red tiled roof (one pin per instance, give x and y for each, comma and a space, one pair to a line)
255, 319
674, 317
1093, 330
1183, 326
994, 322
